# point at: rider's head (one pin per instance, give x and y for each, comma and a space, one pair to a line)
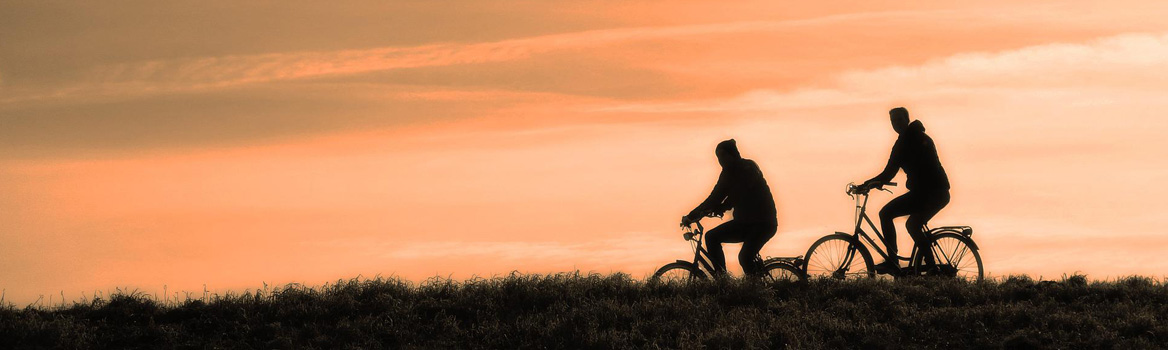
727, 152
899, 118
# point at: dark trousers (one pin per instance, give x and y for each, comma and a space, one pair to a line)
920, 206
752, 235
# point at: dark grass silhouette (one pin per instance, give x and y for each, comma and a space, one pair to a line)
616, 311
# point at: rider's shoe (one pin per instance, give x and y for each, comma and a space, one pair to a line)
927, 270
887, 267
945, 270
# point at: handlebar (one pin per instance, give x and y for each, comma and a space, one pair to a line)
695, 234
854, 189
692, 234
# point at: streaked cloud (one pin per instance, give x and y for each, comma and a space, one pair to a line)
195, 74
1122, 61
1128, 64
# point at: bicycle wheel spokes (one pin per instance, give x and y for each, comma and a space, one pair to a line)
678, 272
782, 272
836, 257
956, 258
676, 275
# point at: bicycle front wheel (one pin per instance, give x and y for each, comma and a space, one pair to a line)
779, 271
678, 272
839, 257
956, 257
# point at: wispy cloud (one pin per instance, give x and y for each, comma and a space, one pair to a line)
227, 71
1130, 63
1122, 60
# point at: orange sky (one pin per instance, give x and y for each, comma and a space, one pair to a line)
188, 143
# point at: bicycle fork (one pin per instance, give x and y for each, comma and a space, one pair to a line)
842, 270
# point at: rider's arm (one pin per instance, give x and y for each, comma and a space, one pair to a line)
892, 168
717, 196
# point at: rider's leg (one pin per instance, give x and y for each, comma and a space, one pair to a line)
728, 232
897, 207
759, 234
930, 205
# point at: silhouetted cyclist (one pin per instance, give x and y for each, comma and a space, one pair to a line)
741, 187
928, 186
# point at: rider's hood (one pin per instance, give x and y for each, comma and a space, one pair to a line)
916, 127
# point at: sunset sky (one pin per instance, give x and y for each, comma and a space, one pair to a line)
146, 144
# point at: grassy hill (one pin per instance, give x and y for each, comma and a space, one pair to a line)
616, 311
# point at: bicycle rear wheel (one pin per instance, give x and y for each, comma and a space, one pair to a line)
956, 257
679, 271
780, 271
839, 257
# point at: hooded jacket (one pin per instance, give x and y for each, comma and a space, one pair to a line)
742, 187
915, 152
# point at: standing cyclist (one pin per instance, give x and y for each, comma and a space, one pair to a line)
928, 186
741, 187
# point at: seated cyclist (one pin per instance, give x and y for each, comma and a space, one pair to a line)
741, 187
928, 186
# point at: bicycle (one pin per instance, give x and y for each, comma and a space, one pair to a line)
770, 269
844, 256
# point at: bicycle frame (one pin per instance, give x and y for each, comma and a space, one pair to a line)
861, 244
861, 218
701, 259
701, 255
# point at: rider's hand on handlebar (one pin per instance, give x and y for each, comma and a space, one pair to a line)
719, 211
